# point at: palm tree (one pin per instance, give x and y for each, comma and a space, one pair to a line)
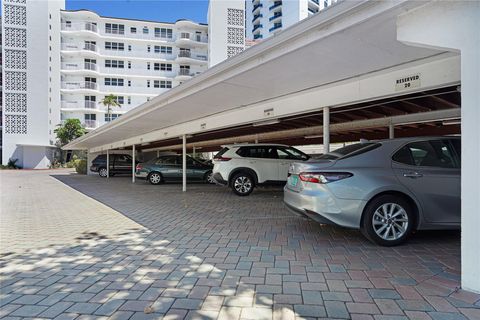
110, 101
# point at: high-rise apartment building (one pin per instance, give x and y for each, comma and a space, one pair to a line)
226, 28
60, 64
266, 17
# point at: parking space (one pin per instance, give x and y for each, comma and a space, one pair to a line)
210, 254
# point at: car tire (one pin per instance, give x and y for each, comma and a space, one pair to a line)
242, 184
388, 220
155, 178
209, 177
102, 172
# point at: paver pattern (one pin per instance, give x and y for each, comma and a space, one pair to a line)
208, 254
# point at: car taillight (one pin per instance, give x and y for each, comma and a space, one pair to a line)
323, 177
139, 167
222, 159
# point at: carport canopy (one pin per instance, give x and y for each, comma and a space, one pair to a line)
344, 46
354, 53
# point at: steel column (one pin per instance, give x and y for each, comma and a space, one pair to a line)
326, 129
133, 164
391, 131
184, 163
108, 164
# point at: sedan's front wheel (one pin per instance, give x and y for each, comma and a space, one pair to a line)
155, 178
388, 220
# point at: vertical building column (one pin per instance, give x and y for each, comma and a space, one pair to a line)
445, 25
133, 164
326, 129
193, 153
391, 131
108, 164
184, 163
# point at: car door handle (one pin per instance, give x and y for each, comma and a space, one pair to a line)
412, 175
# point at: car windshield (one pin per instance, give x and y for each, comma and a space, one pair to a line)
350, 150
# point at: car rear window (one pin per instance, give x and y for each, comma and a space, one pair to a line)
263, 152
220, 153
350, 151
101, 157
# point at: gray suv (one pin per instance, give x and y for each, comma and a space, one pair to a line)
385, 188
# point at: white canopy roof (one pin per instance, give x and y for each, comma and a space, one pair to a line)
348, 40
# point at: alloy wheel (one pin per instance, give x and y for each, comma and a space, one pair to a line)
155, 178
242, 184
103, 172
210, 178
390, 221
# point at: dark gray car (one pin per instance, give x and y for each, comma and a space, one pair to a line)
384, 188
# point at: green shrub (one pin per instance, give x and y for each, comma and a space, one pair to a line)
80, 166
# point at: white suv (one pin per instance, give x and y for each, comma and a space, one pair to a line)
245, 166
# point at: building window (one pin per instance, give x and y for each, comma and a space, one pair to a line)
68, 24
112, 116
164, 84
148, 65
118, 46
162, 67
129, 83
90, 116
149, 48
133, 30
148, 83
114, 64
114, 28
129, 100
114, 82
129, 48
129, 64
145, 30
163, 49
163, 33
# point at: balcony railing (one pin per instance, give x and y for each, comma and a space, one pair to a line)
257, 16
79, 47
184, 72
90, 104
314, 1
188, 54
79, 66
80, 26
90, 66
275, 5
257, 6
78, 104
193, 37
275, 16
257, 36
275, 27
91, 124
77, 85
255, 27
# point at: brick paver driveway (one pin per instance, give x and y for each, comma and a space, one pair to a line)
206, 254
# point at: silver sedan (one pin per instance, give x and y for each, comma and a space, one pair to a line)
385, 188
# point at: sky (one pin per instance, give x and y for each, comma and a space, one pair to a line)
157, 10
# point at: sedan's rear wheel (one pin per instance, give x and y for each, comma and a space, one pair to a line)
242, 184
209, 177
388, 220
155, 178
